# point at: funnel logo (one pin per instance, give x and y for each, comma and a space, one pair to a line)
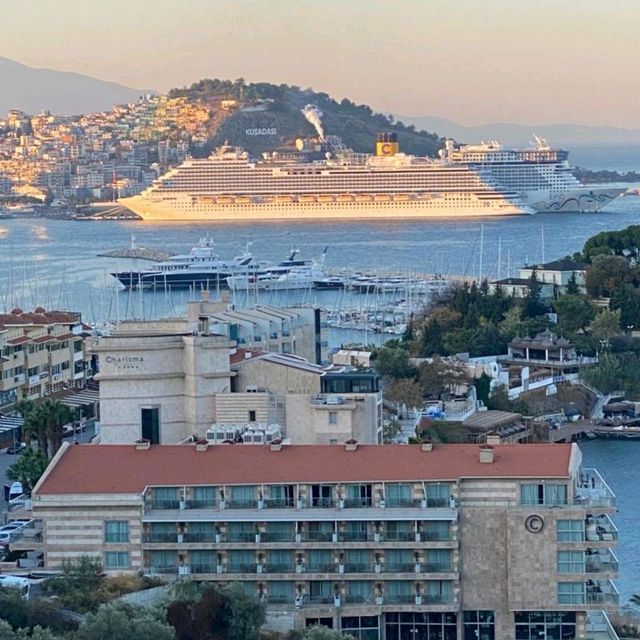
386, 149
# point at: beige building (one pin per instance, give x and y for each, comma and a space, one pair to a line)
449, 542
158, 379
314, 405
168, 380
41, 352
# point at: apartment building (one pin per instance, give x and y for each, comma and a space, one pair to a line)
41, 352
449, 542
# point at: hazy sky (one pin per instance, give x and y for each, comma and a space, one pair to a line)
473, 61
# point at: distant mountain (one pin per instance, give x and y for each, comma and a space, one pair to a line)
31, 90
513, 134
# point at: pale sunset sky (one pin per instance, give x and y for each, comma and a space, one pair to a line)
472, 61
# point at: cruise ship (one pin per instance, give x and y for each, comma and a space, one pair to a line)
465, 180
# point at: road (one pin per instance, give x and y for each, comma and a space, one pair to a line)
7, 460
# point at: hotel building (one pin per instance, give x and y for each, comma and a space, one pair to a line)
447, 542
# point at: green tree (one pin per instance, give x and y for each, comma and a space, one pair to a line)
533, 304
574, 312
605, 325
318, 632
28, 468
626, 299
247, 614
607, 273
124, 622
393, 362
80, 585
572, 285
439, 377
43, 421
391, 429
404, 391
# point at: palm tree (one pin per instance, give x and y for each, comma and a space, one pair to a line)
28, 469
43, 421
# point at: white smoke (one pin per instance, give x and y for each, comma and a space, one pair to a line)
314, 116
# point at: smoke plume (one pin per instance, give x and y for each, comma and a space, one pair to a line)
314, 116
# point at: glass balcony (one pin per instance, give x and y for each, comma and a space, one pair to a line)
358, 598
242, 537
358, 567
201, 504
164, 569
161, 537
203, 567
241, 504
321, 567
400, 536
402, 598
357, 503
592, 491
437, 598
400, 567
600, 529
318, 536
165, 504
199, 537
279, 503
242, 567
277, 536
353, 536
601, 562
601, 593
436, 567
323, 503
278, 567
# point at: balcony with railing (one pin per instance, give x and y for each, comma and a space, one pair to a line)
241, 567
592, 491
600, 529
601, 562
602, 593
160, 537
204, 567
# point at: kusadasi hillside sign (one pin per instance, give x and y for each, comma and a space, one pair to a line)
265, 131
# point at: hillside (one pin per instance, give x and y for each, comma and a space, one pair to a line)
266, 106
33, 90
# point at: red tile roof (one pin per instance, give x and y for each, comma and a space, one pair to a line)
239, 355
90, 469
42, 339
20, 340
48, 317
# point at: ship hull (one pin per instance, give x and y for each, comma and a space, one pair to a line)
584, 200
183, 208
157, 280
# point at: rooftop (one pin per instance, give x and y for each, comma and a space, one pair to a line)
38, 317
98, 469
563, 264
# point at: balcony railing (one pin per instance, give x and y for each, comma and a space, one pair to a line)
400, 536
598, 563
323, 503
358, 567
318, 536
164, 504
273, 536
241, 537
278, 567
242, 567
602, 593
164, 569
593, 491
201, 504
356, 503
358, 598
203, 567
161, 537
321, 567
279, 503
199, 537
400, 567
354, 536
241, 504
436, 567
403, 598
437, 598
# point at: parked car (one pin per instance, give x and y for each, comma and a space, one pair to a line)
19, 447
8, 529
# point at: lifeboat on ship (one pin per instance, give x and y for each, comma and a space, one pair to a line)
363, 198
382, 197
401, 197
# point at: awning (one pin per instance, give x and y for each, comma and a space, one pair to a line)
82, 398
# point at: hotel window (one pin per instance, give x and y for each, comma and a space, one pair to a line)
333, 417
243, 496
570, 531
116, 560
203, 497
571, 593
543, 494
116, 531
361, 627
479, 625
571, 562
438, 495
398, 495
